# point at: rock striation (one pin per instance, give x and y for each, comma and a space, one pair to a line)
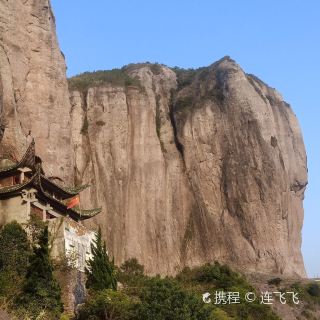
190, 166
207, 165
34, 97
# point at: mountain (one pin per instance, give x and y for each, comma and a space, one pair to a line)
190, 166
33, 85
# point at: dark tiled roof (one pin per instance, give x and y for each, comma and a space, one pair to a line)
61, 191
17, 187
28, 160
36, 181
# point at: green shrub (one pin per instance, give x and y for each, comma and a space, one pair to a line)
131, 275
255, 311
116, 77
221, 276
41, 292
166, 299
156, 68
184, 104
108, 305
14, 248
35, 227
216, 277
219, 314
274, 281
15, 251
101, 272
66, 317
132, 267
314, 290
184, 76
308, 293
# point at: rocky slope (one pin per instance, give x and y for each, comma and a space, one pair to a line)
209, 165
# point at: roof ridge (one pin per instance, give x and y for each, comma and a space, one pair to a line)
27, 159
71, 190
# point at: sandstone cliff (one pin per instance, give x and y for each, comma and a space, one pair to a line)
33, 87
209, 166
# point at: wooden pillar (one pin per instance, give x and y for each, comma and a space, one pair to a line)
22, 174
28, 197
44, 211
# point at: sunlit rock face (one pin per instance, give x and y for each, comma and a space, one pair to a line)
189, 166
34, 97
209, 166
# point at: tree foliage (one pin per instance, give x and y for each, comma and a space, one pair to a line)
14, 248
41, 292
108, 305
116, 77
314, 290
166, 299
132, 267
34, 228
101, 272
14, 255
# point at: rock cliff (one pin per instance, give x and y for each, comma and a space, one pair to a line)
34, 98
209, 165
190, 166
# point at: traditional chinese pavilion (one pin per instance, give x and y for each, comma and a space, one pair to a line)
25, 190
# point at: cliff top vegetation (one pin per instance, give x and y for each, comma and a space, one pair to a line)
116, 77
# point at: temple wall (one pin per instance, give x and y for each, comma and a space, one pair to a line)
56, 229
70, 239
77, 243
6, 182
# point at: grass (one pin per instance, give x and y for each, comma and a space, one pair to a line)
116, 77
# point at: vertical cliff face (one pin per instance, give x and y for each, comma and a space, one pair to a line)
209, 166
33, 87
126, 150
246, 164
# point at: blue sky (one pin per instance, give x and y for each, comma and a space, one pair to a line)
279, 41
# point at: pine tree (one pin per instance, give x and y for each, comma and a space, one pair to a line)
40, 287
100, 271
15, 250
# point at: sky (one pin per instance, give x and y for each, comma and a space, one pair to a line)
278, 41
